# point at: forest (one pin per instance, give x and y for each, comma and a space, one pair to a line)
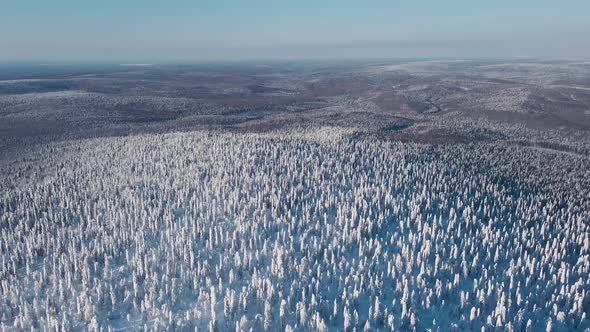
306, 229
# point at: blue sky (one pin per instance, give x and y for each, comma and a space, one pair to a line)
179, 30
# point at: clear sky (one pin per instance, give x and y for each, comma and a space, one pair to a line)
181, 30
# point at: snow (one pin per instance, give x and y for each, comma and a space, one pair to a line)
303, 230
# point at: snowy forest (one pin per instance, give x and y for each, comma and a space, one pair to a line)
305, 230
294, 166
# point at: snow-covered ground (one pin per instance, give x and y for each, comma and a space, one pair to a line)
280, 231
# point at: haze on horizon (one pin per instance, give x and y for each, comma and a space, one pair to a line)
151, 31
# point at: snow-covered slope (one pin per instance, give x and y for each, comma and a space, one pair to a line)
308, 231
